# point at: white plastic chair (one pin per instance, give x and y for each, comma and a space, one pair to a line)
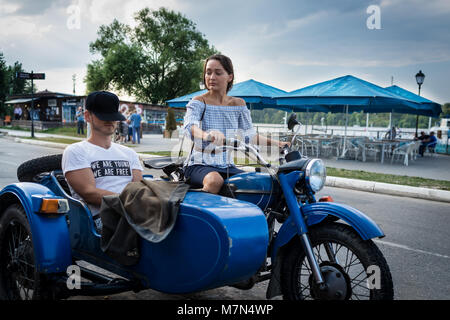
311, 148
330, 148
415, 150
403, 150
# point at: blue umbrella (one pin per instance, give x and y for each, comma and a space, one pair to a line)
427, 107
256, 94
348, 94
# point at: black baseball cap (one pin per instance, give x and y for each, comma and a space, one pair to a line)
105, 106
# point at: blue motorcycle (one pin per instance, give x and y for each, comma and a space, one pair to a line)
265, 225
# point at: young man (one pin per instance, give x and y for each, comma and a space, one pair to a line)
135, 122
97, 167
80, 121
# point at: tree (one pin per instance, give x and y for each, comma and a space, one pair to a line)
17, 85
4, 86
157, 60
171, 123
10, 84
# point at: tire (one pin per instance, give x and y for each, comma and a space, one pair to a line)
19, 279
354, 256
29, 171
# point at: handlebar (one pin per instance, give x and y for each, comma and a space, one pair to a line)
238, 145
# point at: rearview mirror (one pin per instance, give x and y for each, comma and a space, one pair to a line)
292, 121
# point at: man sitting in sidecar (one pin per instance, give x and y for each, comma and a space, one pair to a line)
97, 166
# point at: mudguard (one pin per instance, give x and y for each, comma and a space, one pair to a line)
315, 213
50, 234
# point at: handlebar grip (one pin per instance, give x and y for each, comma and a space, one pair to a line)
232, 142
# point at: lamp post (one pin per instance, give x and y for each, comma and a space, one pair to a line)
420, 77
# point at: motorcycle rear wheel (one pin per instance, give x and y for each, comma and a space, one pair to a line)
353, 256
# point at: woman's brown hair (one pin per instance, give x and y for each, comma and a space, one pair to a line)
226, 64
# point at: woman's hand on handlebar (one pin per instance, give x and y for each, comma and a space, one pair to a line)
216, 137
284, 144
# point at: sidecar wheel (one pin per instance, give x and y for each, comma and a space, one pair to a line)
19, 279
353, 256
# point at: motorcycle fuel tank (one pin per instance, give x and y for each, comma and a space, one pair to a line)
255, 187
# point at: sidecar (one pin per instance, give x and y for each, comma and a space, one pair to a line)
46, 236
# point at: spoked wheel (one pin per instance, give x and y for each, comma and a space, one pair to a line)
352, 268
19, 279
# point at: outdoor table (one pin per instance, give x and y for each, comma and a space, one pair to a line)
382, 144
320, 140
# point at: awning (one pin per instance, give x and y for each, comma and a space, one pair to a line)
15, 101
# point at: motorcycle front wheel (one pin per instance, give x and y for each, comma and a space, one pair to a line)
354, 269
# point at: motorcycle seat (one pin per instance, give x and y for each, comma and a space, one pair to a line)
163, 162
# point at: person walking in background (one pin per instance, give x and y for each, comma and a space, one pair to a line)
130, 129
123, 127
80, 121
391, 134
17, 113
135, 122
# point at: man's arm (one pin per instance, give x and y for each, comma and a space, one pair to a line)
137, 175
82, 182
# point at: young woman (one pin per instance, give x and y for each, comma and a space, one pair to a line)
214, 117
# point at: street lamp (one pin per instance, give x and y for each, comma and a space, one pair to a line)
420, 77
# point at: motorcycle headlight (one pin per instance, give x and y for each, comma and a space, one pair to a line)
315, 174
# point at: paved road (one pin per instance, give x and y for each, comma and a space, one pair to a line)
416, 246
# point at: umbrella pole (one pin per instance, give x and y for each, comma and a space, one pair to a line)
417, 124
344, 149
367, 124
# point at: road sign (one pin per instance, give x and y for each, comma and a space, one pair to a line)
23, 75
38, 76
33, 76
28, 75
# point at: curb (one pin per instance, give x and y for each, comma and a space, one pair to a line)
337, 182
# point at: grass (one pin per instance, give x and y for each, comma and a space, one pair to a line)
64, 131
55, 140
389, 178
159, 153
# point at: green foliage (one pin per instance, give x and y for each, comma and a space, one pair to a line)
159, 59
3, 84
10, 85
171, 123
446, 110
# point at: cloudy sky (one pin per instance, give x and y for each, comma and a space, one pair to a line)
288, 44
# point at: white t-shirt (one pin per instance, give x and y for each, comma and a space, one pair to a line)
112, 167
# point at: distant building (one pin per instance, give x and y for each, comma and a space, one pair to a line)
61, 108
